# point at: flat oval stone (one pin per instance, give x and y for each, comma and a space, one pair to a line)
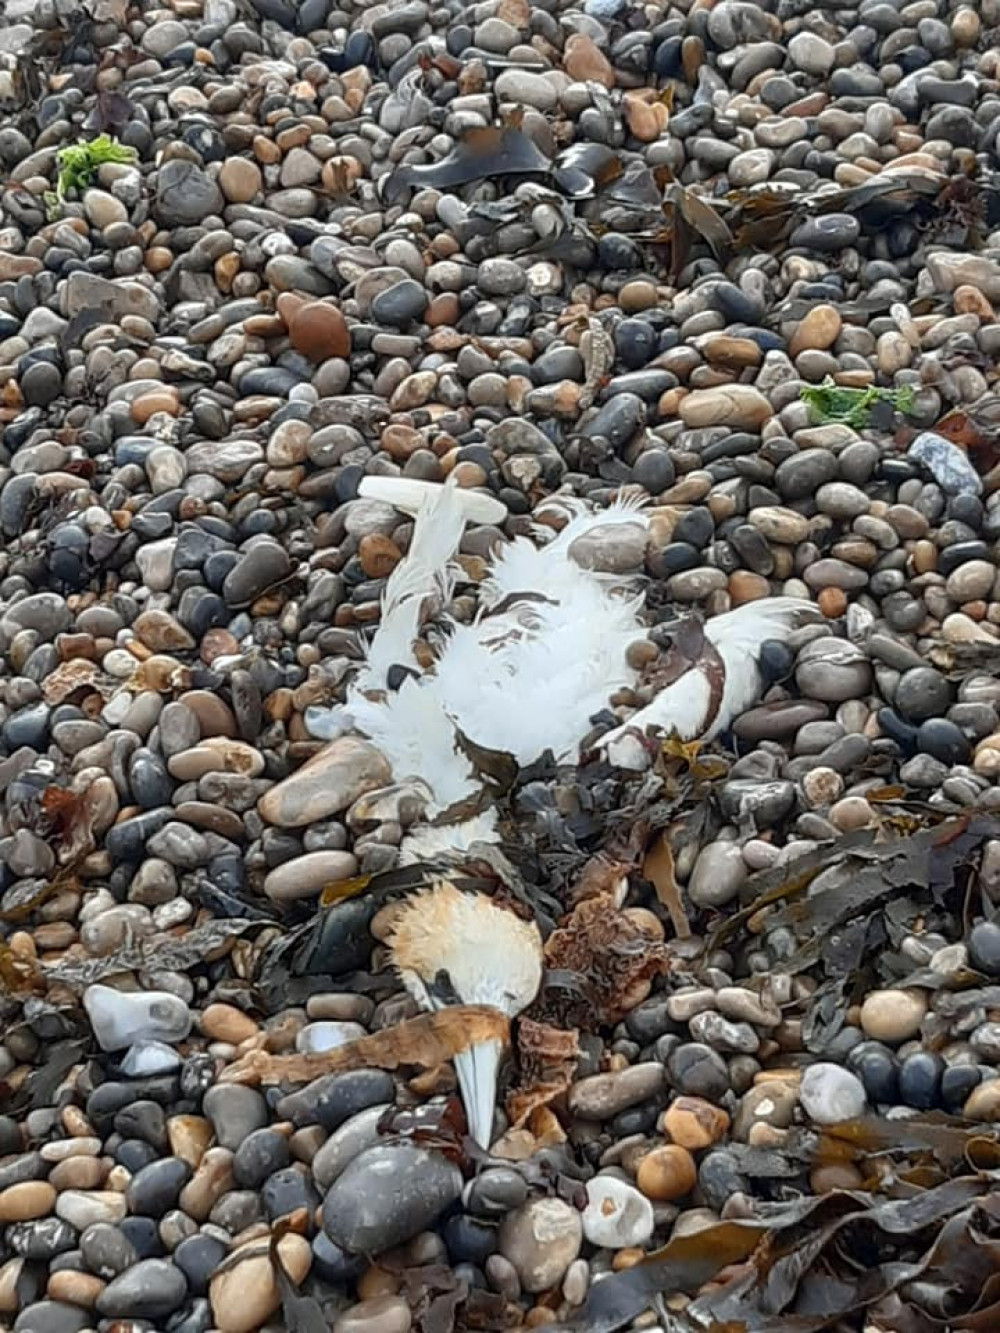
387, 1195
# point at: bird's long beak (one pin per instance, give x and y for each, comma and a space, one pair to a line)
476, 1070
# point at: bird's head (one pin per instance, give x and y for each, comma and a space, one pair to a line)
451, 947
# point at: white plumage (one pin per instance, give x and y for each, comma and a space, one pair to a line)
545, 654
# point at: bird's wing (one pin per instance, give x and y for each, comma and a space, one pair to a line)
426, 571
738, 637
686, 705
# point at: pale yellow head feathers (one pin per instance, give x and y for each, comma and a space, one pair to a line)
490, 955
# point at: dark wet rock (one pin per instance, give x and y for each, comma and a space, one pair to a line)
388, 1195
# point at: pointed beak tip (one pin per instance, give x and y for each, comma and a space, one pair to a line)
476, 1070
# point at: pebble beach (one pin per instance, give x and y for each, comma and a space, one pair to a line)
739, 261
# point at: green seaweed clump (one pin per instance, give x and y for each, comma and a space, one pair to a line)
78, 166
853, 407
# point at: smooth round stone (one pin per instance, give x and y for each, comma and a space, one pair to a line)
893, 1016
877, 1069
776, 660
380, 1314
718, 875
833, 670
287, 1191
827, 233
920, 1080
52, 1317
601, 1096
699, 1071
922, 693
830, 1094
106, 1251
259, 1155
971, 581
244, 1293
541, 1239
943, 740
319, 331
400, 304
41, 384
984, 948
361, 1131
326, 1036
957, 1082
198, 1257
151, 1289
636, 343
495, 1192
153, 1191
617, 1214
334, 1098
387, 1195
235, 1112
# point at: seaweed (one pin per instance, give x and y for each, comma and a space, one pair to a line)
832, 402
78, 164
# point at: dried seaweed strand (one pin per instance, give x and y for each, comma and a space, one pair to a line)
428, 1040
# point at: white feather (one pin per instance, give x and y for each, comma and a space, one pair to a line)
530, 679
409, 495
545, 655
425, 572
432, 841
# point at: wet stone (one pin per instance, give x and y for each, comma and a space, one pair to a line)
387, 1195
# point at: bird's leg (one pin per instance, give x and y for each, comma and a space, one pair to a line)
476, 1070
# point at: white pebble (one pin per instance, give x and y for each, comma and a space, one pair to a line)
616, 1215
830, 1094
326, 1036
121, 1018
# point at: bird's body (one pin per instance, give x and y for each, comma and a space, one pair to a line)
544, 656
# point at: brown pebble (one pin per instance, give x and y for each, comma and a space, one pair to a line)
245, 1293
745, 586
637, 295
74, 1288
584, 61
78, 1173
189, 1137
667, 1173
319, 331
816, 331
217, 642
627, 1258
157, 400
378, 554
212, 1179
213, 713
539, 1316
694, 1123
381, 1314
832, 602
983, 1103
224, 1022
27, 1201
